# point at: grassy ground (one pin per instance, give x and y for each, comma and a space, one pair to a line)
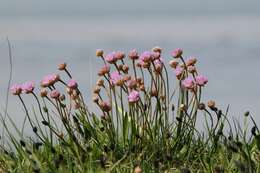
143, 124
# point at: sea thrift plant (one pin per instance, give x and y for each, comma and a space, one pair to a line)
145, 119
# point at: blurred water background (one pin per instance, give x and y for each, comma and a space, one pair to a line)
223, 35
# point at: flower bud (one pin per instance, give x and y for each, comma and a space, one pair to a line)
62, 97
157, 49
105, 106
43, 92
211, 104
173, 63
95, 99
138, 169
201, 106
99, 52
142, 87
62, 66
125, 68
100, 82
191, 69
97, 90
183, 107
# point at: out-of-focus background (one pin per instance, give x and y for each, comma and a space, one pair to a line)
223, 35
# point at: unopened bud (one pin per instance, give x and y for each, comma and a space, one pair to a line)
62, 66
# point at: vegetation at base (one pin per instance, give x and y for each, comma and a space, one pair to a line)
147, 121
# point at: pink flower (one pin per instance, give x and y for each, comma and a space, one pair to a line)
133, 96
201, 80
119, 55
28, 87
16, 89
191, 61
155, 55
188, 83
177, 53
178, 71
111, 58
116, 78
55, 94
146, 56
49, 80
133, 54
72, 84
158, 63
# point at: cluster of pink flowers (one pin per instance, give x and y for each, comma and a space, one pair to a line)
185, 71
26, 88
190, 83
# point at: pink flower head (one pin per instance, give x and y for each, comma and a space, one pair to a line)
178, 71
188, 83
28, 87
146, 56
55, 94
133, 54
201, 80
119, 55
111, 58
158, 63
49, 80
16, 89
191, 61
177, 53
116, 78
72, 84
155, 55
133, 96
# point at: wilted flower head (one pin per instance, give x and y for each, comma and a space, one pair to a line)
116, 78
173, 63
188, 83
43, 92
133, 96
157, 49
49, 80
158, 63
55, 94
99, 52
133, 54
191, 61
16, 89
201, 80
155, 55
146, 56
105, 106
111, 58
132, 84
72, 84
104, 70
119, 55
191, 69
28, 87
178, 72
176, 53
